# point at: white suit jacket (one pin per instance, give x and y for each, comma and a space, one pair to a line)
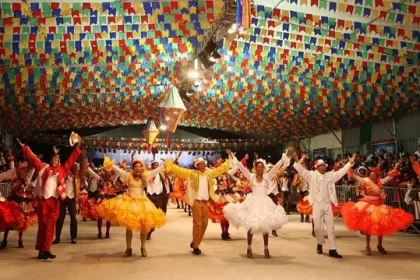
332, 177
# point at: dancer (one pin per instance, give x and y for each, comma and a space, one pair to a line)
49, 187
257, 213
133, 210
158, 189
321, 195
20, 202
370, 215
199, 189
302, 188
72, 181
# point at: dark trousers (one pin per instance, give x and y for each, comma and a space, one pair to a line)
159, 200
285, 195
273, 198
70, 204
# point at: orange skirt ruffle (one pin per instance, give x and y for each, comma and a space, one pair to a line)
138, 214
373, 219
304, 207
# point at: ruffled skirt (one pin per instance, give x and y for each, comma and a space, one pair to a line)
11, 216
374, 219
304, 207
216, 207
138, 214
256, 213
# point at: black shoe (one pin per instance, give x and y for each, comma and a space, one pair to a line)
107, 236
191, 246
178, 207
197, 251
228, 236
84, 219
307, 220
249, 254
319, 249
266, 253
382, 250
301, 219
73, 241
225, 236
3, 244
48, 255
99, 235
274, 233
20, 244
334, 254
56, 241
40, 255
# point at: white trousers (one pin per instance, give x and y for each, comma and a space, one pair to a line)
323, 214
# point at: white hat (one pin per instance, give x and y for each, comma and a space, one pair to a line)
155, 161
320, 162
261, 161
198, 160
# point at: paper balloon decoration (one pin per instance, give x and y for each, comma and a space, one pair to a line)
171, 112
150, 132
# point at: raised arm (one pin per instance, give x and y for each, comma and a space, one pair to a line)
170, 167
283, 161
8, 175
223, 168
93, 174
337, 175
33, 160
72, 159
358, 178
152, 173
242, 168
121, 172
233, 171
29, 175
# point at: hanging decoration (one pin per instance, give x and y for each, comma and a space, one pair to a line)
150, 132
171, 112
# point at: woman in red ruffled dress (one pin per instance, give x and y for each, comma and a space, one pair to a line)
178, 194
370, 215
19, 212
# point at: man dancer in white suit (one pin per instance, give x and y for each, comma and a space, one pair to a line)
321, 195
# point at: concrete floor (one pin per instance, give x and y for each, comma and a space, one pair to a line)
293, 255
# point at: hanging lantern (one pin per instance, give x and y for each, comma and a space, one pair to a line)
171, 112
150, 132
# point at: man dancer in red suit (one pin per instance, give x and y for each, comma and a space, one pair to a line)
50, 188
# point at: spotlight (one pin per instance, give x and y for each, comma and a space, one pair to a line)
197, 82
190, 92
162, 127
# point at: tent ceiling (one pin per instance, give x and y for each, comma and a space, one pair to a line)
304, 68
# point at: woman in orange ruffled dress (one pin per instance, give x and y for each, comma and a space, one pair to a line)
370, 215
20, 202
133, 210
178, 194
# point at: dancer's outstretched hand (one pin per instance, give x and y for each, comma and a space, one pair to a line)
229, 152
20, 143
302, 160
290, 151
353, 158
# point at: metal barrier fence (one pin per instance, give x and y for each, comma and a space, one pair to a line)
394, 198
5, 189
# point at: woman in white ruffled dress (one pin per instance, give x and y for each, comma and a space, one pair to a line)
257, 213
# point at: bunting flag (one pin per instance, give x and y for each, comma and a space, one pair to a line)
305, 68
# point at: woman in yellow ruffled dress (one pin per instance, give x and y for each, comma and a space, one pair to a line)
133, 210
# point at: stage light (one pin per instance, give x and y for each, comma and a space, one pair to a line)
162, 127
205, 62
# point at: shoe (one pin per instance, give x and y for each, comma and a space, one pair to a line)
191, 246
107, 236
334, 254
128, 253
144, 253
99, 235
178, 207
266, 253
307, 220
73, 241
368, 251
223, 235
319, 249
274, 233
301, 219
197, 251
40, 255
56, 241
149, 236
362, 233
249, 253
20, 244
3, 244
382, 250
228, 236
48, 255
